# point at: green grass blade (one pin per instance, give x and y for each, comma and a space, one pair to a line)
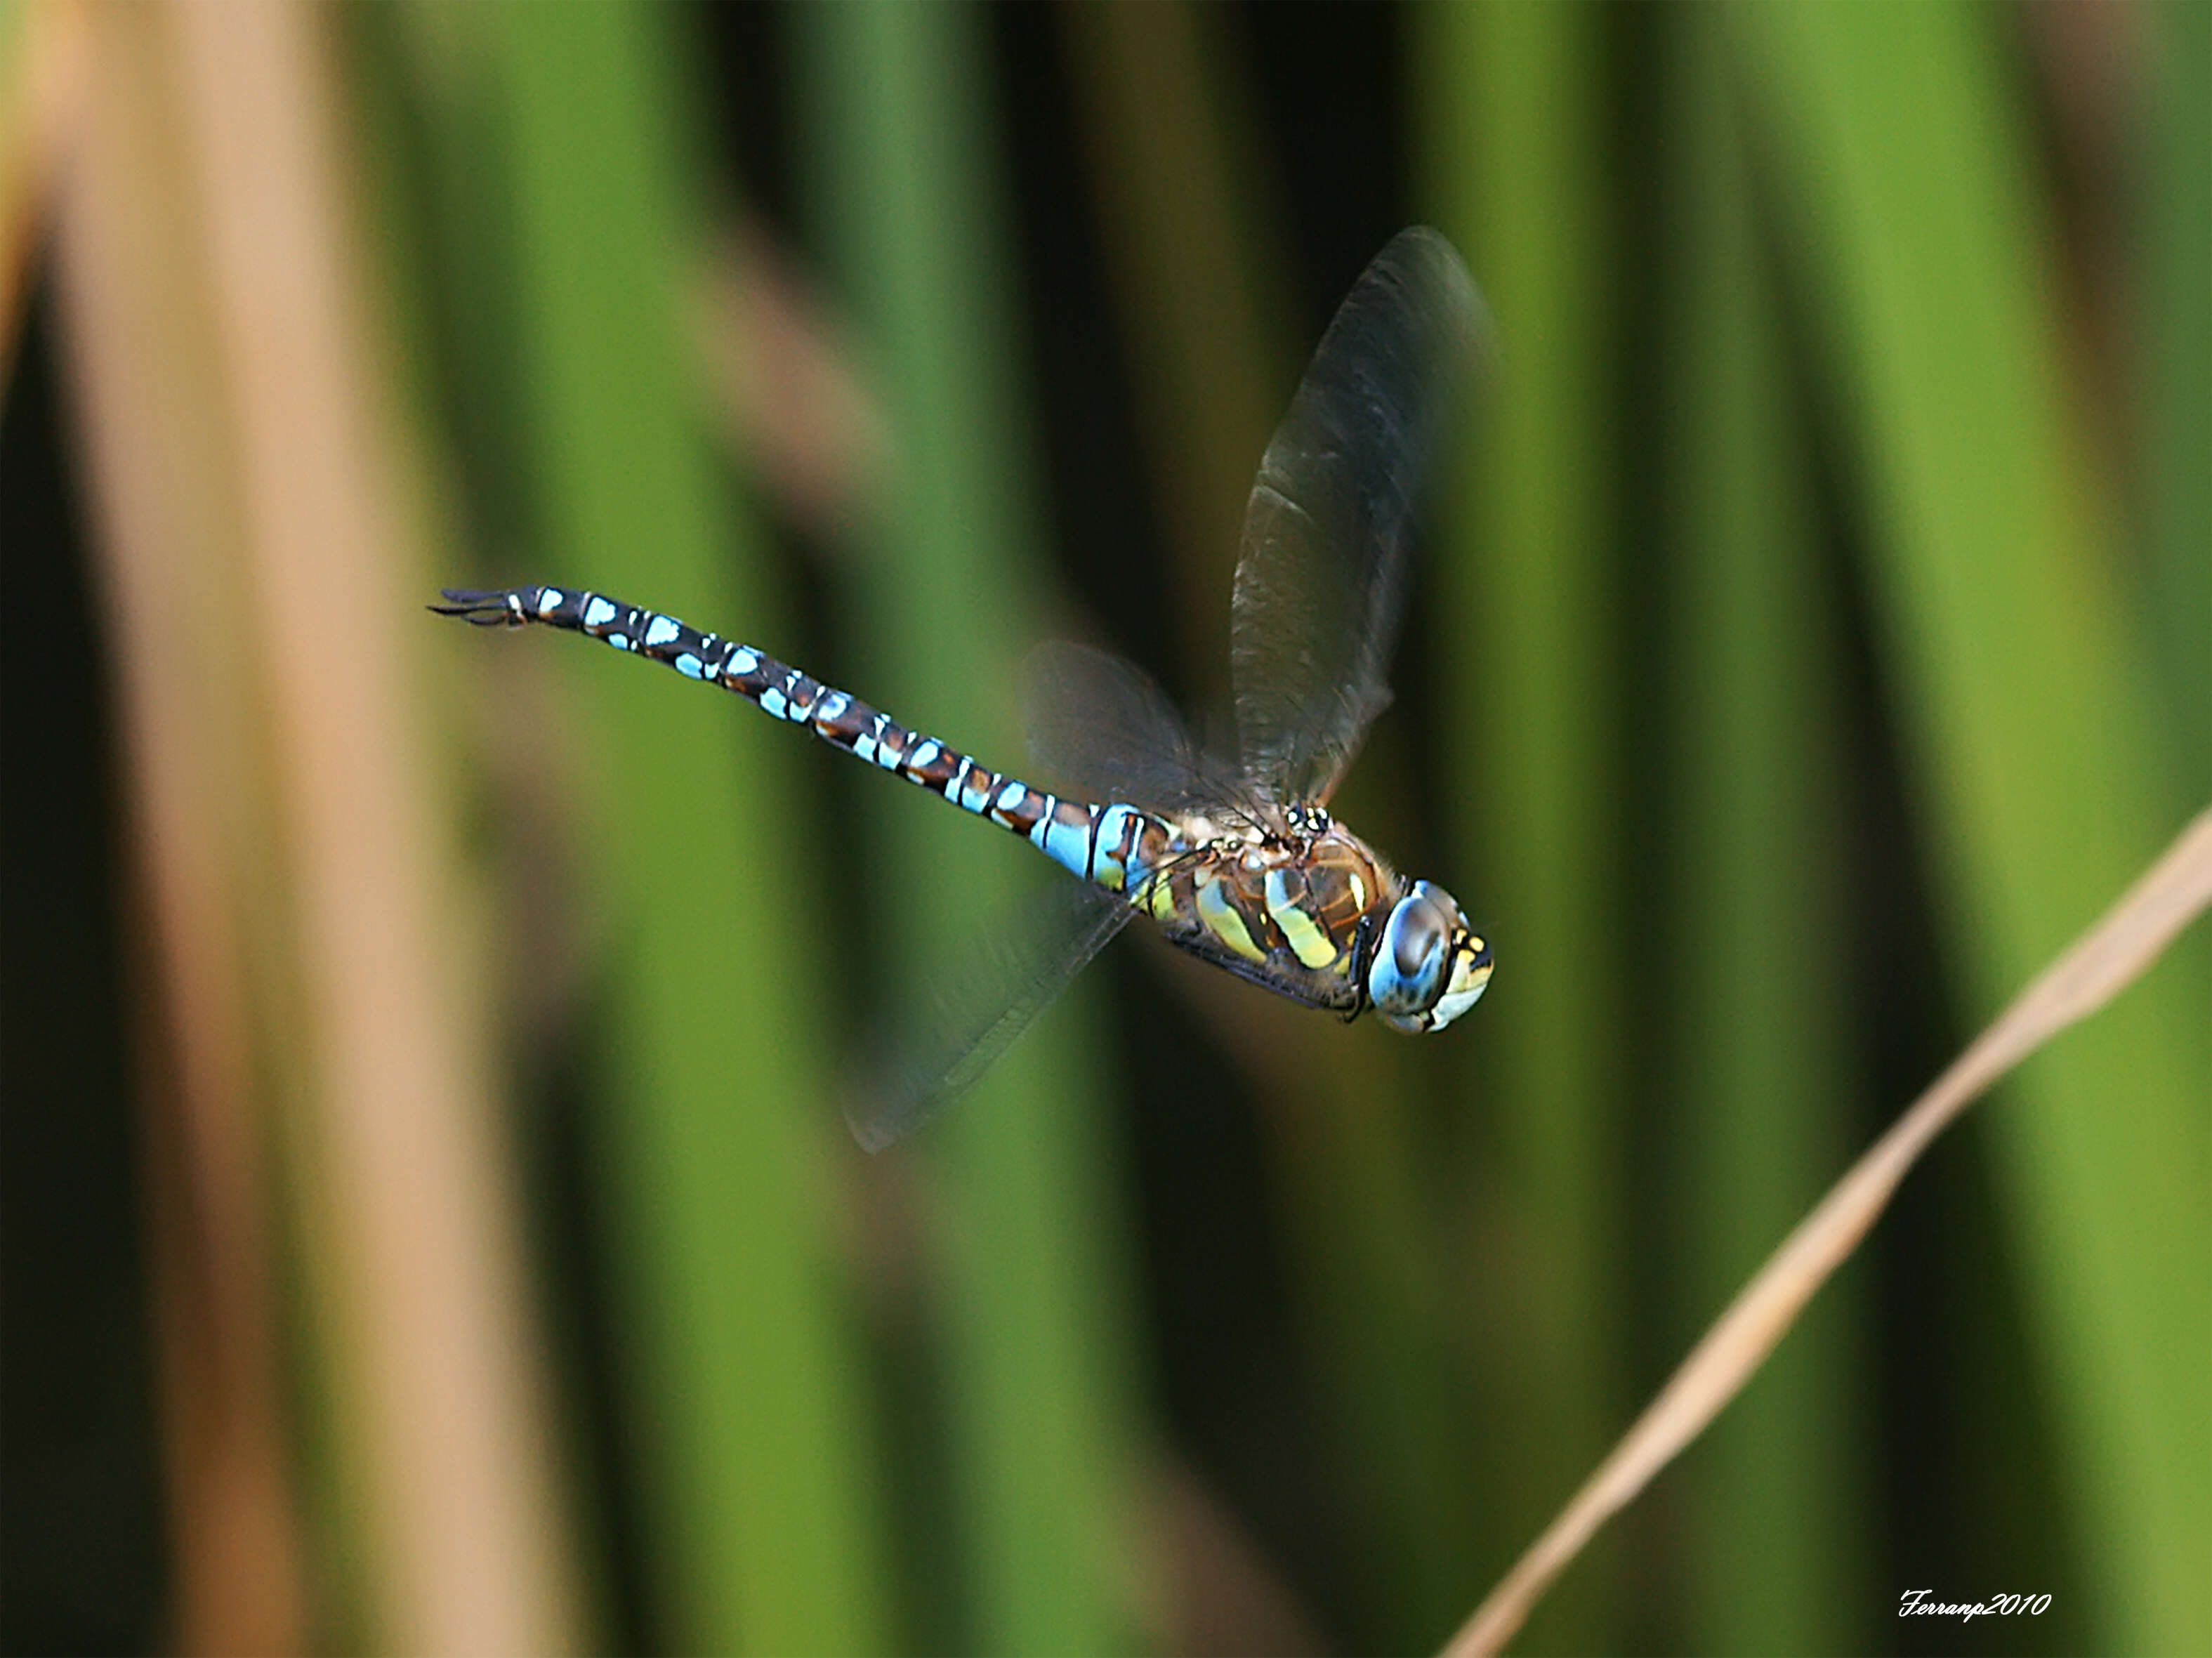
2176, 366
1773, 1506
1512, 102
1194, 255
719, 1122
1904, 161
908, 177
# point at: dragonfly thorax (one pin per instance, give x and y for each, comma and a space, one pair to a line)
1288, 910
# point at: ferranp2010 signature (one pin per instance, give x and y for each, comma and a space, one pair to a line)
1923, 1603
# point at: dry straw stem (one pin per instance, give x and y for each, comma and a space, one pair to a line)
795, 405
443, 1425
2131, 935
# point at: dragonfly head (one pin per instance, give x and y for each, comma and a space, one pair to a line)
1429, 966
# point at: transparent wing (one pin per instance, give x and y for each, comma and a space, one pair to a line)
1321, 575
1008, 977
1100, 728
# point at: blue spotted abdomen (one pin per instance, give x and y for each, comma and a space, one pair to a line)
1115, 845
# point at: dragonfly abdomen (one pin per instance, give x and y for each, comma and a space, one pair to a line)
1099, 843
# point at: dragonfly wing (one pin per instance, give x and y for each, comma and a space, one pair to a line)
1321, 575
1102, 730
1005, 978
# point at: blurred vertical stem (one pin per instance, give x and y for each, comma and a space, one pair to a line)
447, 1401
1194, 258
1197, 265
719, 1123
1763, 1097
1510, 98
2176, 366
217, 1054
45, 74
20, 72
1905, 160
908, 182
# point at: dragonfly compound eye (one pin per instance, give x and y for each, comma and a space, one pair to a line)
1407, 973
1430, 967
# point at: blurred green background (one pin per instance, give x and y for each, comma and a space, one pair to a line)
425, 1219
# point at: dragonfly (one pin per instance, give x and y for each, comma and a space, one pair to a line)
1235, 857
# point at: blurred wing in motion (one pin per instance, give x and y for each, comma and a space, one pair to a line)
1002, 982
1321, 576
1101, 729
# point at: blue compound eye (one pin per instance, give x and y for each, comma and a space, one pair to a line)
1429, 966
1407, 973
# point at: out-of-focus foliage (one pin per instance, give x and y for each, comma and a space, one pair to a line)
425, 1216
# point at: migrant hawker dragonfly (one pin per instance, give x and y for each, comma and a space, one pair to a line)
1236, 859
